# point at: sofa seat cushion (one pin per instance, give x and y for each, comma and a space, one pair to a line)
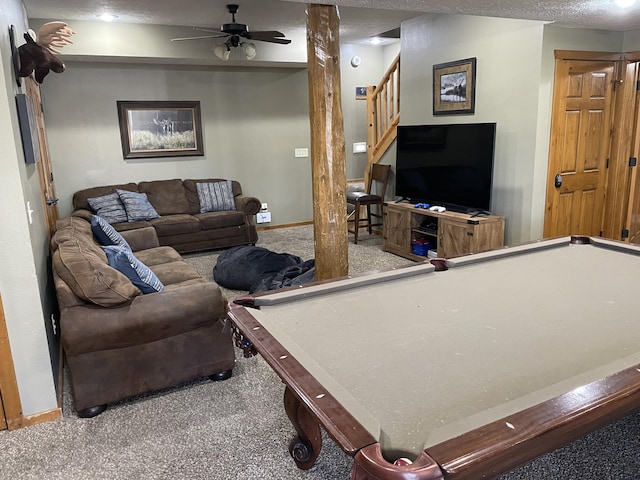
89, 275
121, 227
168, 197
158, 256
213, 220
176, 272
175, 225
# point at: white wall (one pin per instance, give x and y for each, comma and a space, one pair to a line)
23, 246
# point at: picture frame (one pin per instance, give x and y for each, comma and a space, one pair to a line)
28, 128
454, 87
150, 129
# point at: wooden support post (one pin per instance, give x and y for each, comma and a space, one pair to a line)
328, 154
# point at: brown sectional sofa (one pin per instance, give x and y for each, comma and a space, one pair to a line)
119, 342
181, 225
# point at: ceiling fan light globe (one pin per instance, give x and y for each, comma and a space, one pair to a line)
249, 50
222, 51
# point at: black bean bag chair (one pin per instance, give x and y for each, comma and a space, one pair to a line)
239, 268
299, 274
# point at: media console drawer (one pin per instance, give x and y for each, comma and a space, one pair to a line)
449, 233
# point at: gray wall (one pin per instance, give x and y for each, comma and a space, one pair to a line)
26, 295
253, 119
514, 85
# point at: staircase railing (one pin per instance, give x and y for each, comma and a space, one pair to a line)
383, 112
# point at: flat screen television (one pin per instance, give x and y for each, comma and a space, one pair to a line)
447, 165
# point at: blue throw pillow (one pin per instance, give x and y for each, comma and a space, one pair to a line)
109, 207
126, 263
106, 234
216, 196
137, 206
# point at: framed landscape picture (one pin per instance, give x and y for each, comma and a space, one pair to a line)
160, 129
454, 87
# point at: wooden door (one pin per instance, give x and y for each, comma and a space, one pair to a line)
45, 172
633, 212
580, 141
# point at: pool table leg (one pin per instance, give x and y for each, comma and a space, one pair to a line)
306, 447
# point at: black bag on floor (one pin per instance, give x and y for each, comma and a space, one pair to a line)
239, 268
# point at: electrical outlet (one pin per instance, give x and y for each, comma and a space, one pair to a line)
301, 152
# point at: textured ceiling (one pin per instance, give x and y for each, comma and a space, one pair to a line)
359, 19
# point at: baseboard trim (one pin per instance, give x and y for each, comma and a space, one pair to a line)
41, 417
296, 224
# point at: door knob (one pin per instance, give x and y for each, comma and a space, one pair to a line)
558, 181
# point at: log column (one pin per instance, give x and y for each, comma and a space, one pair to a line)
328, 155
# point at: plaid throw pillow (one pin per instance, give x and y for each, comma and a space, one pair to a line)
109, 207
216, 196
137, 206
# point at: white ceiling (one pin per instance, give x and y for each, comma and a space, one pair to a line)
359, 19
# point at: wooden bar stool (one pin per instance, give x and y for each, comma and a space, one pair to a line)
380, 175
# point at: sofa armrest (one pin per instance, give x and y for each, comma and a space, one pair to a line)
249, 205
82, 213
146, 319
141, 238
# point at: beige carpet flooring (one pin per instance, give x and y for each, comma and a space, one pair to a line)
237, 429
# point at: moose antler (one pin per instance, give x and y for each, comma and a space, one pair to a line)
54, 35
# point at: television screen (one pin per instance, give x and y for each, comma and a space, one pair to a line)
448, 165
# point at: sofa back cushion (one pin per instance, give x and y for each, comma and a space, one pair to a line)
81, 196
167, 196
191, 191
78, 260
89, 276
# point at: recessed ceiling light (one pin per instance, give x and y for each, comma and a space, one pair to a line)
107, 17
375, 41
625, 3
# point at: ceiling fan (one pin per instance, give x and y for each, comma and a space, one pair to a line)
236, 33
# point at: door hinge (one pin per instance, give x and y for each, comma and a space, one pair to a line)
638, 86
607, 164
633, 161
600, 233
625, 233
51, 176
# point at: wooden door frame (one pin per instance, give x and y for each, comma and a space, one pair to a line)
8, 382
625, 132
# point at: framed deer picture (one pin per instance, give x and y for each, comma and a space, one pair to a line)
454, 87
160, 129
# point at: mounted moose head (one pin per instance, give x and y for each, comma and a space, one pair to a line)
37, 55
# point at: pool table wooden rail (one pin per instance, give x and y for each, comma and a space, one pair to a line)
483, 452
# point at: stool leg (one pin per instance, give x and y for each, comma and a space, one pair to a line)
369, 218
356, 223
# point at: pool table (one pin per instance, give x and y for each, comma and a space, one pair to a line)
467, 367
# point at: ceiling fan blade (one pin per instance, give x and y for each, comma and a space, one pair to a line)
198, 38
272, 37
